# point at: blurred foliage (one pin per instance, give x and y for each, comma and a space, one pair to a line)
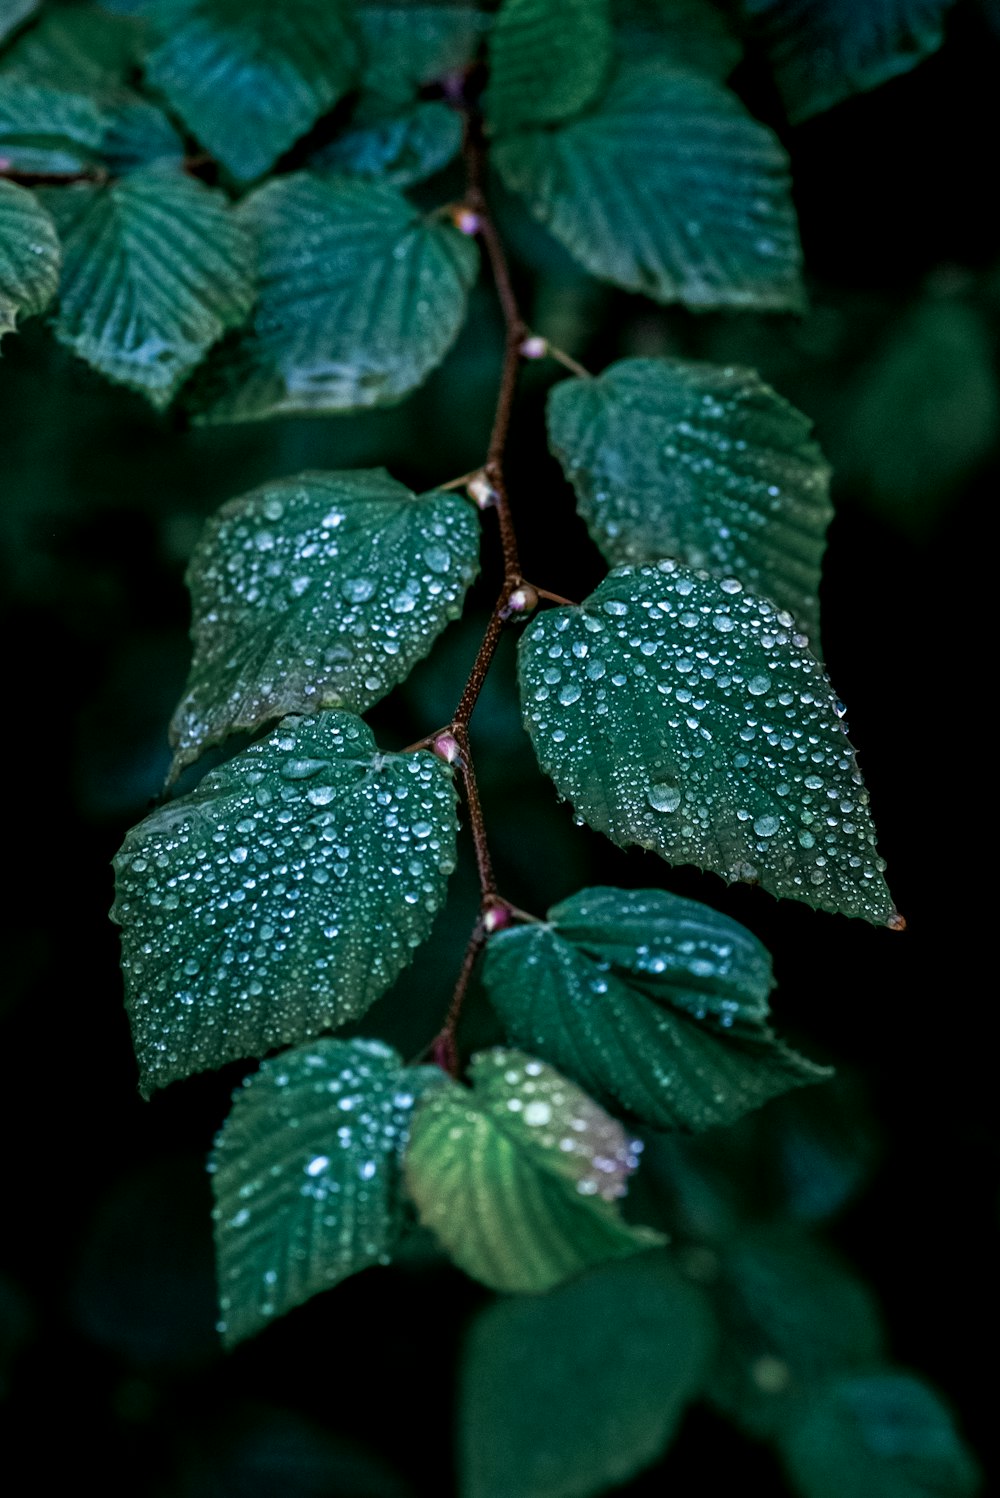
109, 1362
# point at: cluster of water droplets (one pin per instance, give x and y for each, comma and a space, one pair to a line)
318, 591
282, 896
306, 1175
704, 464
680, 713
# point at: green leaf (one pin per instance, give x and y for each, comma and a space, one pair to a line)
685, 33
667, 188
360, 298
81, 51
249, 77
879, 1434
155, 269
548, 60
318, 591
400, 147
566, 1394
306, 1176
519, 1177
822, 51
652, 1003
282, 896
791, 1315
701, 463
137, 134
45, 129
29, 256
678, 712
13, 13
407, 45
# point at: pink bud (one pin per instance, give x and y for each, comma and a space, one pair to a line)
534, 347
465, 221
496, 918
446, 747
523, 599
481, 491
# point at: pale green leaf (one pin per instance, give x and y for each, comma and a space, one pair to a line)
46, 129
650, 1002
565, 1394
678, 712
282, 896
249, 77
704, 464
155, 269
519, 1177
879, 1434
548, 60
13, 13
360, 298
318, 591
399, 147
306, 1176
29, 256
822, 51
406, 45
688, 33
667, 187
791, 1314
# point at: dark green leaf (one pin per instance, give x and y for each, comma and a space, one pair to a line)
548, 60
13, 13
137, 134
29, 256
822, 51
882, 1434
402, 147
668, 187
678, 712
566, 1394
701, 463
360, 298
318, 591
406, 45
282, 896
685, 33
82, 51
155, 268
306, 1176
791, 1315
46, 129
651, 1002
519, 1177
250, 76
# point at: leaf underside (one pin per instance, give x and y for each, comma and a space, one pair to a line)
281, 897
679, 713
318, 591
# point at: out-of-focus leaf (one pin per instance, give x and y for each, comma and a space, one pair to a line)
45, 129
565, 1394
406, 44
282, 896
400, 147
81, 50
13, 13
548, 60
29, 256
686, 33
680, 713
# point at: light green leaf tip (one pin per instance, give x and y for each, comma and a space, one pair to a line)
305, 1175
318, 591
652, 1003
671, 458
519, 1177
281, 897
678, 712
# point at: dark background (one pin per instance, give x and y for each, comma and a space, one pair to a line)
108, 1353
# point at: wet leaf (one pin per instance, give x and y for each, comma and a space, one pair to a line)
667, 187
249, 77
519, 1178
155, 268
306, 1175
822, 51
401, 147
678, 712
282, 896
29, 256
318, 591
360, 299
652, 1003
703, 464
548, 60
879, 1434
792, 1314
569, 1393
